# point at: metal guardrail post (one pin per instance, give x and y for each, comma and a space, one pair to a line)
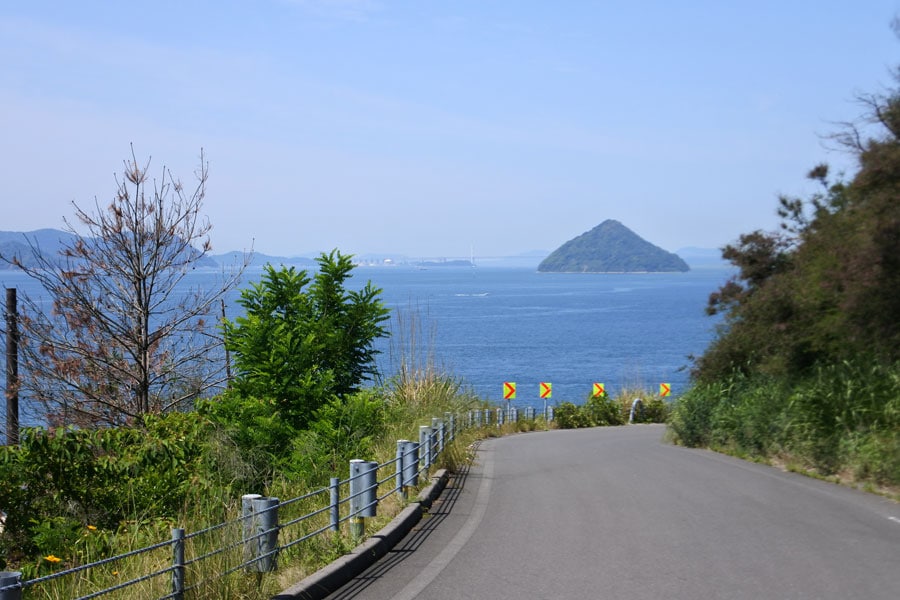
335, 488
357, 524
363, 495
425, 446
437, 429
178, 564
247, 527
448, 427
10, 585
410, 465
265, 518
435, 439
407, 466
398, 479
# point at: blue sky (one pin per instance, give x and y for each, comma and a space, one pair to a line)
431, 128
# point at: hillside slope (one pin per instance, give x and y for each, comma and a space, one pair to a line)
611, 248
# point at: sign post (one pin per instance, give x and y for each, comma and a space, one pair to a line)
546, 392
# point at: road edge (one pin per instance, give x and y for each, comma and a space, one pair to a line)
330, 578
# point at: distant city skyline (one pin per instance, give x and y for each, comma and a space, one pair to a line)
434, 129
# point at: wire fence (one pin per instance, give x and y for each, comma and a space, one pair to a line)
268, 530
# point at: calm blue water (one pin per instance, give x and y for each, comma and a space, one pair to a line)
488, 325
493, 325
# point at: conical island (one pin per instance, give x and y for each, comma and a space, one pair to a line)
610, 247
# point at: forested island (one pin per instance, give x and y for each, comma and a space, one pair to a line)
611, 247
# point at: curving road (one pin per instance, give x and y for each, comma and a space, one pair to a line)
616, 513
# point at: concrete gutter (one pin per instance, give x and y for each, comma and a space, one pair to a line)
329, 579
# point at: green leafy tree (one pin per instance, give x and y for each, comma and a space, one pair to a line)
825, 288
304, 340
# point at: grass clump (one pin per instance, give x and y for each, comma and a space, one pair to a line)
841, 420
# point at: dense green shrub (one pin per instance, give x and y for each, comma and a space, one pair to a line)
569, 416
841, 416
56, 482
654, 410
691, 416
602, 410
341, 430
255, 432
874, 456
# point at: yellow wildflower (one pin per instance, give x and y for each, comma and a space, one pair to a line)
53, 559
92, 528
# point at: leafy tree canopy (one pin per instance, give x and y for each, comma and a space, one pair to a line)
304, 340
825, 288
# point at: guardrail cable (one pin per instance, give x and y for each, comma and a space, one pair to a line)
421, 455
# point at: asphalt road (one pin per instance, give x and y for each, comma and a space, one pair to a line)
616, 513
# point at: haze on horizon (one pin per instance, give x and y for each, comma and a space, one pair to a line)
429, 128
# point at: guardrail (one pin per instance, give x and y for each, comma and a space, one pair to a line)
267, 529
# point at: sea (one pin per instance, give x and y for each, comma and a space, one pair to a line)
489, 325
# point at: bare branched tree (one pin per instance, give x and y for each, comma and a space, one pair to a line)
881, 114
118, 332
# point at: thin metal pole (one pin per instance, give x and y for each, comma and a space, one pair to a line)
425, 447
227, 353
401, 449
178, 564
12, 369
335, 488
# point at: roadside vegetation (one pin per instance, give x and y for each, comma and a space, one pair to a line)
805, 370
302, 402
126, 367
629, 406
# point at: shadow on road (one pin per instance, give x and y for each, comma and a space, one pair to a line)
430, 521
